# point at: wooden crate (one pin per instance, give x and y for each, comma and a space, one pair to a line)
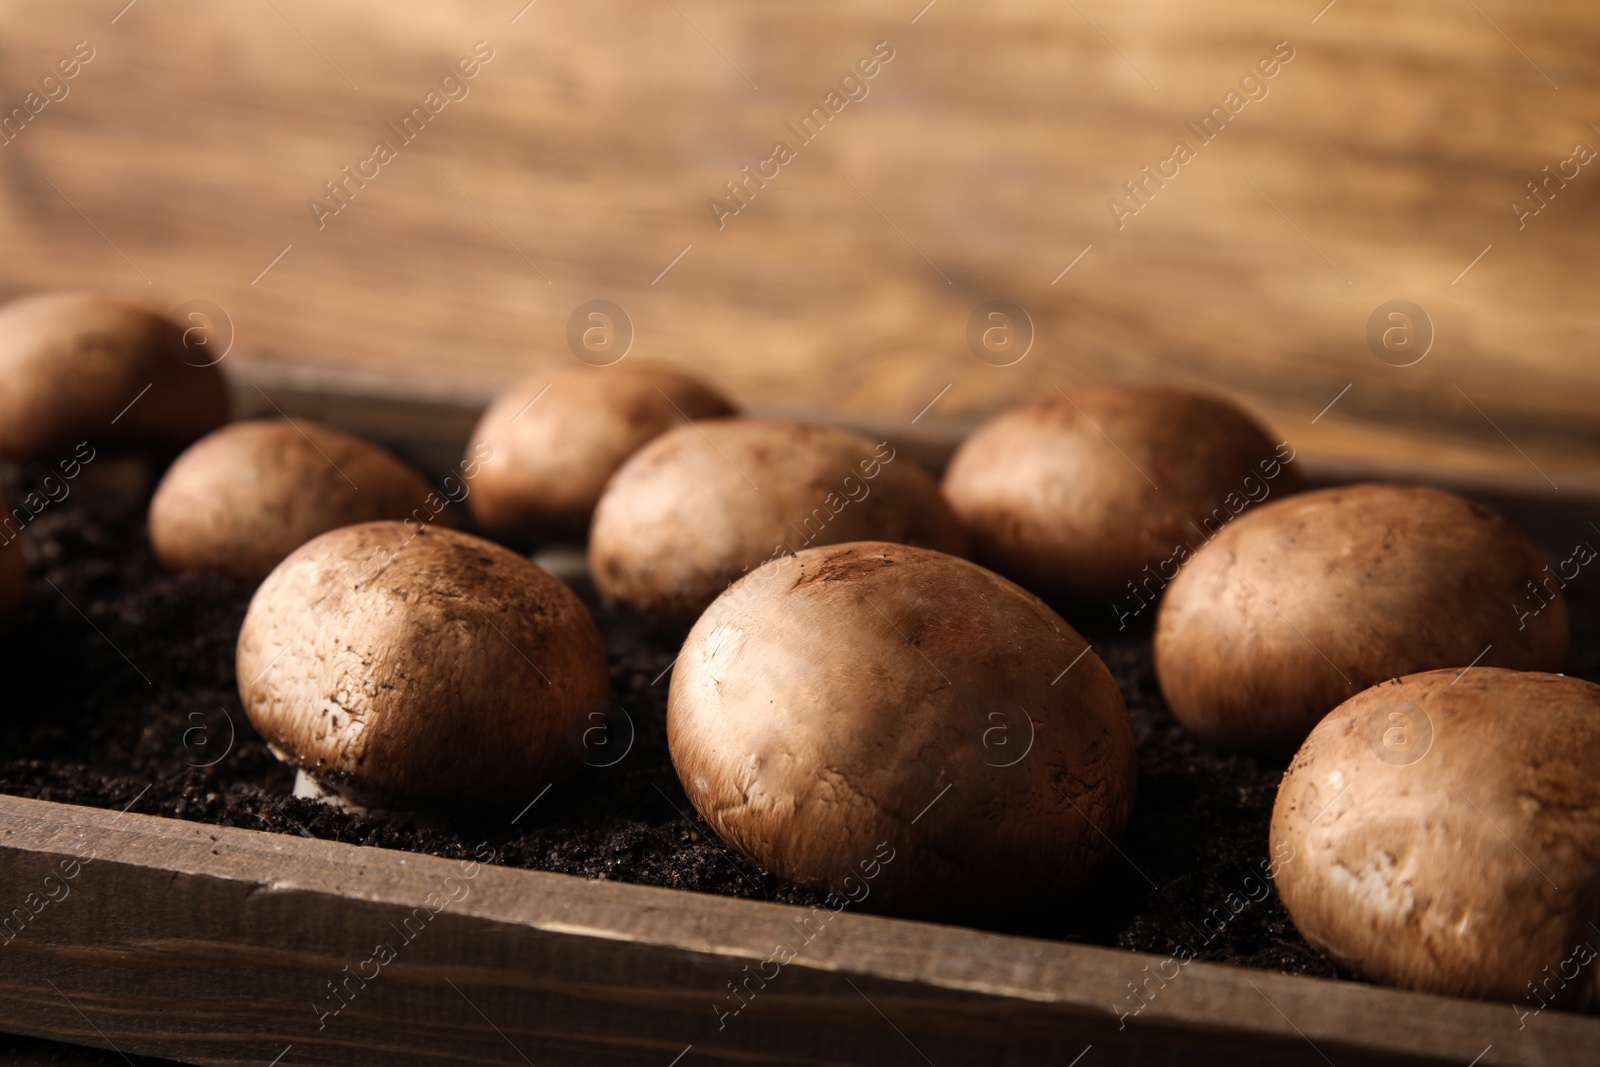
215, 945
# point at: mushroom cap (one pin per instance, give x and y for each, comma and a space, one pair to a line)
705, 502
13, 573
870, 694
83, 368
413, 667
549, 461
1074, 495
244, 497
1299, 604
1441, 832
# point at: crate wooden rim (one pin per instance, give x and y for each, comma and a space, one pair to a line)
937, 982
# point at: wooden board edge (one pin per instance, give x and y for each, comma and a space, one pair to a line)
434, 417
1023, 987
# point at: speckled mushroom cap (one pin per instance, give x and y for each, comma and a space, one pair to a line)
79, 368
242, 498
1304, 602
866, 695
548, 445
412, 667
1445, 835
1074, 495
13, 573
704, 503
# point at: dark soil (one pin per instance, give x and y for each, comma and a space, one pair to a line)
118, 692
32, 1052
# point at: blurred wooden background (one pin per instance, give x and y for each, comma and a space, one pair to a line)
1382, 163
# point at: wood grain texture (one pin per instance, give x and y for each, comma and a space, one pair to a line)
430, 420
210, 945
1383, 160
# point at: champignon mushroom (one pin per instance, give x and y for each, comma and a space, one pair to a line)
411, 667
242, 498
548, 445
77, 368
707, 501
1092, 497
879, 719
1298, 605
13, 571
1441, 832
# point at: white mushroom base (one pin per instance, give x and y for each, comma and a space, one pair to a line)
311, 789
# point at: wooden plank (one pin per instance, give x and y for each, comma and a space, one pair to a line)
1381, 165
216, 946
431, 420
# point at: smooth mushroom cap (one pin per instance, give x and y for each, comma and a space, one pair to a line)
1304, 602
13, 572
547, 447
1075, 495
242, 498
706, 502
413, 667
862, 699
77, 368
1441, 832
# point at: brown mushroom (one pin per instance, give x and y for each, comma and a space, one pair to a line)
705, 502
1090, 497
1300, 604
13, 571
548, 446
77, 368
1441, 833
412, 667
876, 719
242, 498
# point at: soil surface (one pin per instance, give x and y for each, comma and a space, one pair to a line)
119, 692
18, 1051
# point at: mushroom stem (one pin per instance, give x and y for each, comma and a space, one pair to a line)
307, 788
